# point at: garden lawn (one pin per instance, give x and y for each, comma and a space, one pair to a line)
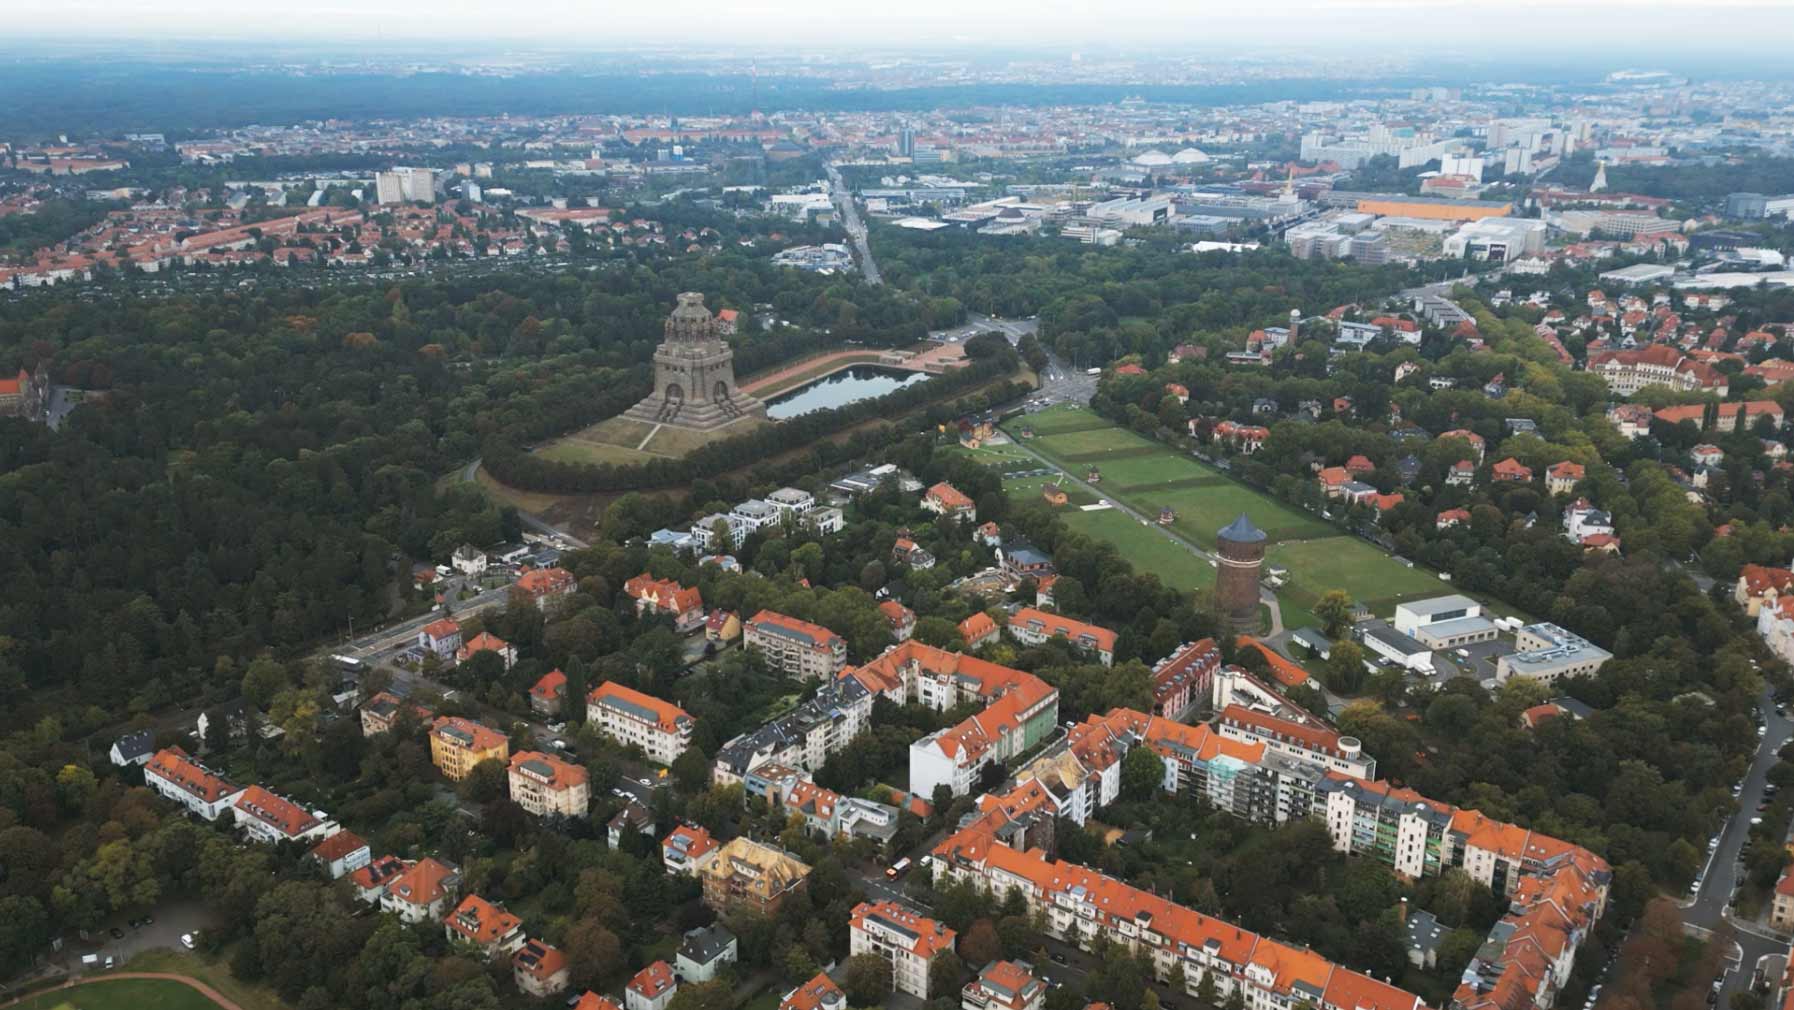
1059, 419
1368, 575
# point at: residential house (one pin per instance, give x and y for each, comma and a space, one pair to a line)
1561, 478
909, 941
548, 696
687, 850
1759, 585
947, 500
722, 626
819, 993
805, 650
901, 619
180, 778
1511, 469
1033, 626
1018, 559
542, 586
664, 596
1461, 474
978, 630
1707, 455
660, 729
746, 874
1181, 679
133, 748
458, 744
1004, 985
633, 817
342, 853
263, 816
907, 552
382, 712
1475, 440
422, 891
703, 952
440, 638
652, 988
1448, 518
1781, 909
370, 882
539, 970
486, 641
485, 926
468, 560
546, 786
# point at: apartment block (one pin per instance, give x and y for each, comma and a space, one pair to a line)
660, 729
544, 785
747, 874
457, 745
799, 648
907, 940
180, 778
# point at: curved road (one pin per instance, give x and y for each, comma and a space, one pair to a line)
534, 522
195, 984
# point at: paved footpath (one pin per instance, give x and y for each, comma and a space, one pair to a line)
200, 987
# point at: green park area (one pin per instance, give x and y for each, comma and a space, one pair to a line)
122, 994
1149, 476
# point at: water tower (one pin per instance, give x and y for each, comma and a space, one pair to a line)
1240, 547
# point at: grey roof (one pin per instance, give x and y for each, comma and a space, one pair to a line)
1424, 931
1241, 531
705, 944
1438, 605
1311, 638
135, 745
1404, 644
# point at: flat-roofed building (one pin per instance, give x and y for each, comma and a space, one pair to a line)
1545, 652
1396, 647
660, 728
1445, 622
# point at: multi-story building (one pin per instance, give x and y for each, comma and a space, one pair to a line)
440, 638
1181, 679
664, 596
544, 785
687, 850
947, 500
1444, 622
1781, 910
486, 641
263, 816
908, 941
803, 738
422, 891
1004, 985
1033, 626
1627, 372
1760, 586
187, 782
542, 586
652, 988
704, 952
487, 927
1020, 717
660, 729
548, 695
371, 881
796, 647
747, 874
1307, 740
457, 745
1545, 652
342, 853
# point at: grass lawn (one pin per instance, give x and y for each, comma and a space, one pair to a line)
122, 994
1148, 475
1145, 547
1028, 489
211, 972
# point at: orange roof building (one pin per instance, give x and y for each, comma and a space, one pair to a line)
945, 499
660, 728
1033, 626
819, 993
907, 940
978, 630
487, 926
180, 778
263, 816
458, 744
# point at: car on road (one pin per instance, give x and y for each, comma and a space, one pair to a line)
116, 933
1754, 821
1057, 957
188, 941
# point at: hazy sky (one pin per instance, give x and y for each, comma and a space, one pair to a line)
1608, 29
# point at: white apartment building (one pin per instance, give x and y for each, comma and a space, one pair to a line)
660, 729
799, 648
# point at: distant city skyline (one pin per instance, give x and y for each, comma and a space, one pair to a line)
1649, 27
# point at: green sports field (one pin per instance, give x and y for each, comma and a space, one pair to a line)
1149, 476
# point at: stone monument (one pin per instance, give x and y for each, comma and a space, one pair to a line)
694, 375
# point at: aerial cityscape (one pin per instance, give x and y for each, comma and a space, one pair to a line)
1002, 508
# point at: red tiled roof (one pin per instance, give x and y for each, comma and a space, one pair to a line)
948, 496
483, 736
1056, 625
931, 937
560, 774
278, 812
809, 996
552, 685
653, 980
670, 717
338, 845
173, 765
480, 921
